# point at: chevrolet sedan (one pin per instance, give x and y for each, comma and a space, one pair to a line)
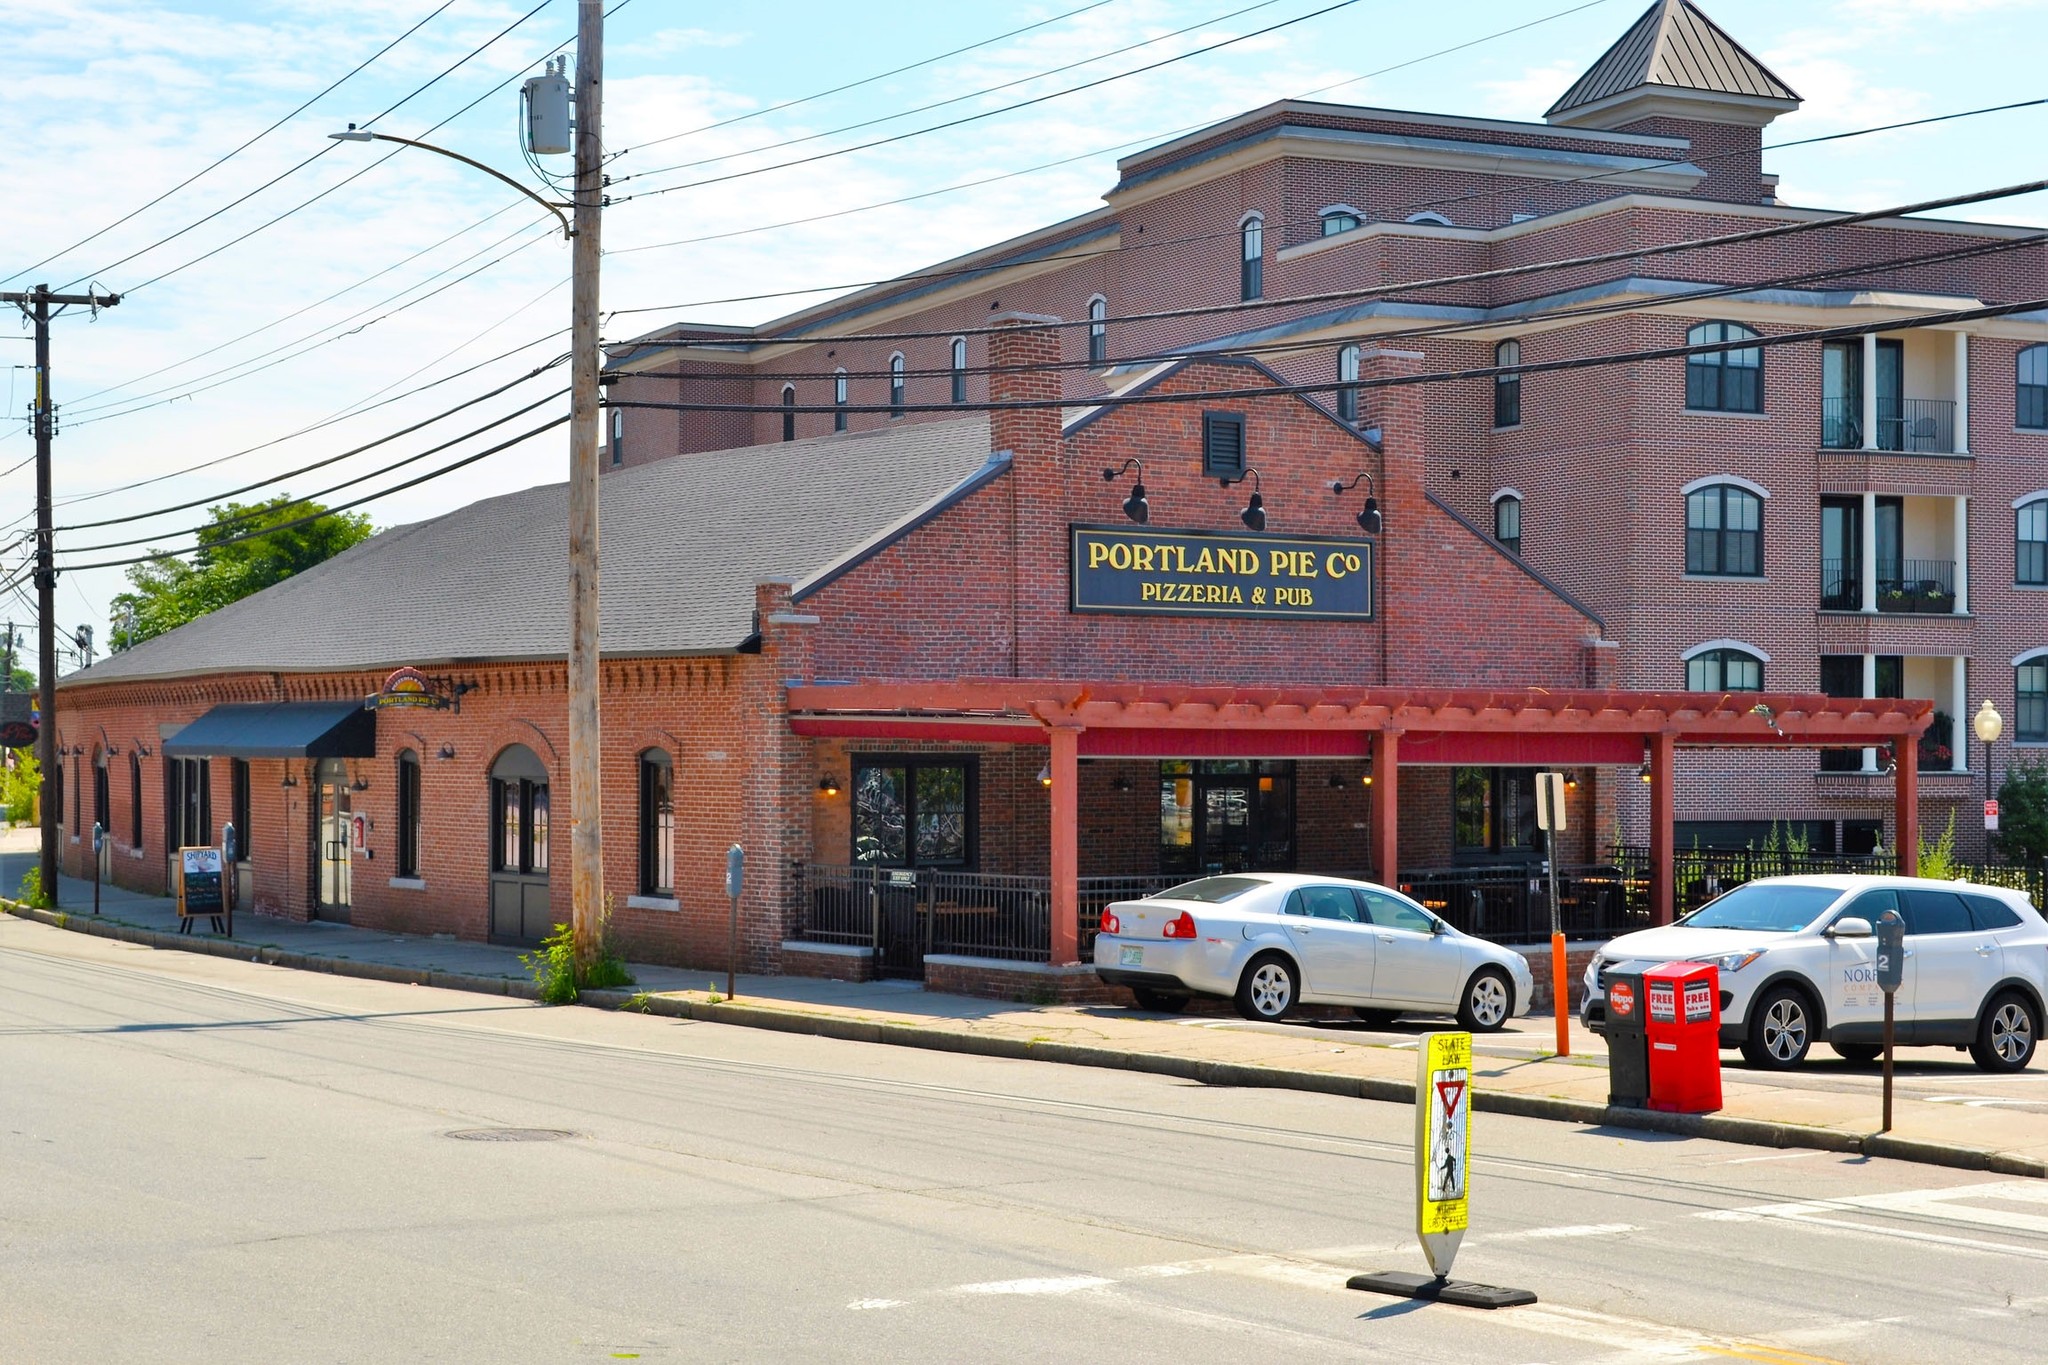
1269, 941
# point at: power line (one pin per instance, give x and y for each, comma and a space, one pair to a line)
1410, 207
865, 80
1442, 281
951, 100
416, 92
222, 161
991, 113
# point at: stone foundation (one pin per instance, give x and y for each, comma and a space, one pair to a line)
828, 961
1027, 983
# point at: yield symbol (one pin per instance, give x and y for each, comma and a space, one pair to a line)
1449, 1093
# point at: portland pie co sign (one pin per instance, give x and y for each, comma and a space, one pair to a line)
1131, 570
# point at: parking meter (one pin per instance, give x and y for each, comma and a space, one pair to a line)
99, 841
228, 887
227, 842
1891, 952
735, 875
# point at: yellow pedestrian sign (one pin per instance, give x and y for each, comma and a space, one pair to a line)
1443, 1145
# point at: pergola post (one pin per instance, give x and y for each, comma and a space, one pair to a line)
1386, 805
1663, 814
1906, 818
1065, 768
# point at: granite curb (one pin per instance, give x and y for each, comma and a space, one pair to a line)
1717, 1127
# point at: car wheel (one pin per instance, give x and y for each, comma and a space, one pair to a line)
1268, 988
1377, 1018
2007, 1033
1858, 1054
1488, 1001
1161, 1002
1780, 1030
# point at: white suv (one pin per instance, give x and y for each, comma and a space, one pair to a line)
1797, 959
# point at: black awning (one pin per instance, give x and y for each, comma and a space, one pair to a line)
279, 729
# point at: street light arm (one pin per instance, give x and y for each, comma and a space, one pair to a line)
354, 135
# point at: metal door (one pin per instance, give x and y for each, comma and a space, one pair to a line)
1227, 828
331, 841
900, 923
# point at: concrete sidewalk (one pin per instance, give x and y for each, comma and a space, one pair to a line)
1835, 1110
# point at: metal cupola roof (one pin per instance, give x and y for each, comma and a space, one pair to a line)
1674, 49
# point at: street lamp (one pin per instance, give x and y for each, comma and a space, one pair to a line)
1989, 725
355, 134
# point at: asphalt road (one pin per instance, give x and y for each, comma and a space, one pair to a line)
205, 1159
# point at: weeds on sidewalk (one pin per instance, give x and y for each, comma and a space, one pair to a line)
32, 893
553, 964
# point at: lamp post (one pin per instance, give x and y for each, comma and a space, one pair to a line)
1989, 725
586, 852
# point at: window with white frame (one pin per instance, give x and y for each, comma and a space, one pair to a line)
1432, 219
1251, 277
1347, 383
1340, 218
1098, 330
1507, 521
2030, 388
959, 369
1724, 381
896, 385
1727, 669
789, 412
2030, 694
1724, 531
1507, 388
839, 400
2030, 547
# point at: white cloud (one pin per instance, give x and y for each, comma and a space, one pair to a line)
1527, 95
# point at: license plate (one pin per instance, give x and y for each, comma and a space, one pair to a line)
1129, 956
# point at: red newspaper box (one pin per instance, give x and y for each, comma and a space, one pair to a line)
1682, 1016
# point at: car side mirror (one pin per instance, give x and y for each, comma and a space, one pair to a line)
1437, 926
1850, 926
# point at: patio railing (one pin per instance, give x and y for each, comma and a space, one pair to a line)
1702, 874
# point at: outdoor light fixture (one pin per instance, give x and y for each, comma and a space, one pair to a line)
1045, 776
1369, 520
1122, 783
447, 751
1571, 782
1989, 725
1644, 771
1366, 779
361, 784
290, 780
828, 786
352, 135
1135, 506
1336, 780
141, 750
1254, 514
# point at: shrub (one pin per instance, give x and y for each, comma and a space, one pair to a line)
553, 964
1938, 860
2023, 813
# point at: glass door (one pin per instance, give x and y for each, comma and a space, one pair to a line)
1841, 554
1841, 395
1891, 534
331, 843
1890, 381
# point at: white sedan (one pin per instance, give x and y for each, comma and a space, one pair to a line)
1272, 940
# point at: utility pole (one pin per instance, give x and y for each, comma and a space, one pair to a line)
36, 303
586, 846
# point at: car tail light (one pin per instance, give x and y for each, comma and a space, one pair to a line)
1110, 923
1181, 926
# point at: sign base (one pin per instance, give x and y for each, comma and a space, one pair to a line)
1405, 1284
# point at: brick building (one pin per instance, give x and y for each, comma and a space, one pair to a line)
1864, 517
946, 676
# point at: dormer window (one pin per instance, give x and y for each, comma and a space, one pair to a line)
1341, 218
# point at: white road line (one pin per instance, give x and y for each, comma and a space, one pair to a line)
1945, 1204
1775, 1156
863, 1305
1052, 1284
1980, 1101
1571, 1230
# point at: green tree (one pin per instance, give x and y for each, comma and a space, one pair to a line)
166, 593
18, 793
2023, 813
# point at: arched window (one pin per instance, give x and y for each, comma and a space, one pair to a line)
839, 400
102, 797
2030, 696
1347, 383
789, 412
1724, 668
1724, 381
408, 813
1724, 531
519, 812
618, 436
134, 800
2030, 546
657, 824
1432, 219
1507, 519
896, 385
1340, 218
1098, 330
2030, 388
1507, 388
959, 369
1251, 277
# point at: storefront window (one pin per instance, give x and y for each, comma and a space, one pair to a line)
1226, 815
1493, 813
913, 812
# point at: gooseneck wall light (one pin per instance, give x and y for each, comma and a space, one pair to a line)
1254, 513
1369, 520
1135, 506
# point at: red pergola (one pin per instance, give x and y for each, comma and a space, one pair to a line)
1532, 726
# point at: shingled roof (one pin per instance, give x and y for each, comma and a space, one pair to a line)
1676, 47
685, 540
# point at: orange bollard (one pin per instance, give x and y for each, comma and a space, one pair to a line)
1561, 997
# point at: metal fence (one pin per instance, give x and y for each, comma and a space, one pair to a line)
1699, 875
1511, 904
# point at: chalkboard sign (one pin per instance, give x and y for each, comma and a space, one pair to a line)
199, 888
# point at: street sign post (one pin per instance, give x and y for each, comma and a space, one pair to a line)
735, 875
1550, 819
99, 843
1443, 1163
1991, 816
1891, 974
228, 848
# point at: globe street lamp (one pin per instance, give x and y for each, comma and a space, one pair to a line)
1989, 725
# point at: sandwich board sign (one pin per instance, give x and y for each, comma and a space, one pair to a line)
199, 888
1443, 1145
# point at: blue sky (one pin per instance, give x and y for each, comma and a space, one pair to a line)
108, 103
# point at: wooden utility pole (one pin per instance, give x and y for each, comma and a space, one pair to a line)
36, 303
586, 844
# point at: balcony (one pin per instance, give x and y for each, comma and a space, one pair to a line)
1914, 426
1913, 587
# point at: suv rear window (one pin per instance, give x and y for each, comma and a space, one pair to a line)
1211, 890
1771, 907
1989, 912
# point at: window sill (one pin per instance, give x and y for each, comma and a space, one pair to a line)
653, 903
1728, 412
1511, 426
2030, 587
409, 883
1726, 577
